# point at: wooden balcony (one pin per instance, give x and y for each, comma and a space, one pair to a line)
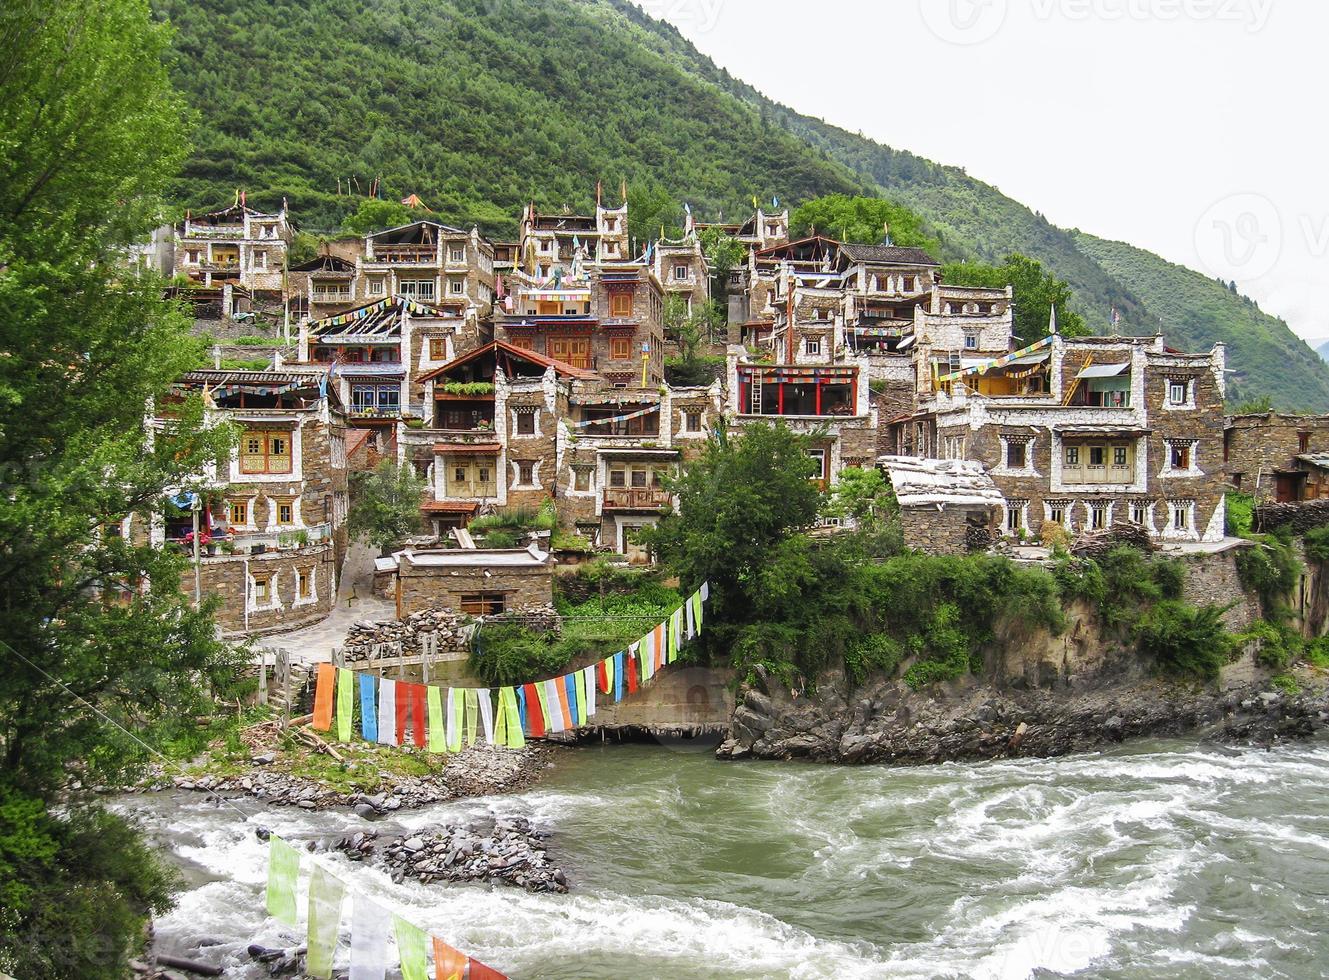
405, 255
637, 498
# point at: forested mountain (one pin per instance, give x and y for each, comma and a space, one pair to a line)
480, 105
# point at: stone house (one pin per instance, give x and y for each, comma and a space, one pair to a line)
548, 242
233, 259
428, 262
1085, 433
473, 582
275, 521
1276, 457
680, 266
942, 501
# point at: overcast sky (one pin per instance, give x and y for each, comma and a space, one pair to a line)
1193, 128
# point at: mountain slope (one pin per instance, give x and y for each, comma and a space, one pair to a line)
1198, 311
481, 105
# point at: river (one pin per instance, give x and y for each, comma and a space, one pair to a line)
1158, 859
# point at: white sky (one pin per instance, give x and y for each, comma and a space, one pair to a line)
1192, 128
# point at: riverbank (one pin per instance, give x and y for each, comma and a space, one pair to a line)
884, 721
297, 768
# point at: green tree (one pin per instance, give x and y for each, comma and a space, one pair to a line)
651, 208
741, 504
862, 220
1036, 293
723, 252
90, 131
385, 504
375, 215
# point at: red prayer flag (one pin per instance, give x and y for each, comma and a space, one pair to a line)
481, 972
403, 710
418, 713
634, 669
534, 717
327, 675
602, 675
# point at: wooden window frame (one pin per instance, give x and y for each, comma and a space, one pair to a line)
483, 603
621, 304
438, 348
266, 438
620, 348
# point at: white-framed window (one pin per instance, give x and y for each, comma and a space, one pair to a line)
456, 286
1058, 511
1181, 515
692, 420
263, 591
583, 478
191, 256
306, 586
457, 253
417, 288
971, 340
260, 260
813, 345
526, 422
1179, 455
1140, 514
818, 457
1100, 515
1180, 393
1017, 453
377, 286
1015, 515
681, 272
524, 471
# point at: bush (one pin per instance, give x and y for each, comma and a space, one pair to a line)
1317, 545
1240, 514
568, 541
946, 649
1317, 652
875, 652
1270, 570
1287, 684
1279, 645
1121, 583
1186, 641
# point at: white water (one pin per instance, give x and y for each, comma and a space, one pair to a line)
1163, 860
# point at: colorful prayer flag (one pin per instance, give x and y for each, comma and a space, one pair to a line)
323, 697
472, 713
368, 711
588, 680
535, 716
478, 971
412, 949
369, 940
326, 892
283, 869
456, 718
449, 963
486, 715
387, 711
345, 703
438, 733
418, 715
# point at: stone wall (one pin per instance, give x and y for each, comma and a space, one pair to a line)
942, 532
227, 576
1256, 446
1211, 579
435, 587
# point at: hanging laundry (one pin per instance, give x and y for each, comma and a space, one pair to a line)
345, 703
369, 939
438, 733
449, 963
283, 870
412, 949
387, 711
368, 711
326, 893
486, 715
323, 697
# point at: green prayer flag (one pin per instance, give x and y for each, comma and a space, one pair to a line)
673, 638
458, 718
516, 737
544, 705
437, 734
325, 898
696, 610
283, 869
579, 683
472, 714
412, 948
345, 703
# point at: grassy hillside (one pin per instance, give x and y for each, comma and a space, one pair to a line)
481, 105
1198, 311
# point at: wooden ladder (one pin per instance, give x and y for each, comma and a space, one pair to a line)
1075, 382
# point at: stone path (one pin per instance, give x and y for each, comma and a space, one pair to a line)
355, 601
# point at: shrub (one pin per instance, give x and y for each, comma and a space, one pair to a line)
1121, 583
1270, 570
568, 541
875, 652
501, 538
1185, 641
947, 651
1279, 645
1240, 514
1317, 544
1287, 684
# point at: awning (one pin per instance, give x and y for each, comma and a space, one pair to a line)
1031, 360
467, 448
1104, 370
450, 507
